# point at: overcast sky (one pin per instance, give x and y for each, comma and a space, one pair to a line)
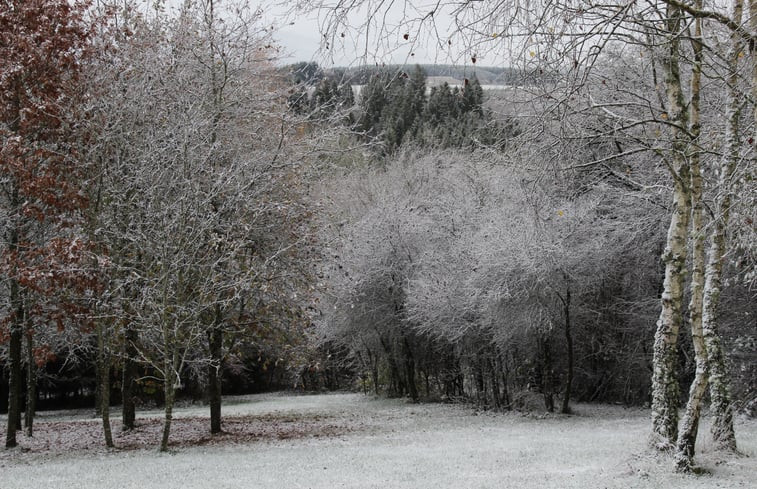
301, 37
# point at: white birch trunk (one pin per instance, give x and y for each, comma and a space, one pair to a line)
665, 395
687, 436
722, 410
721, 406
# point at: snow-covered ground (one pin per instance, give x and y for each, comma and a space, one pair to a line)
352, 441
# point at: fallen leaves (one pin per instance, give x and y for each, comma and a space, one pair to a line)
54, 438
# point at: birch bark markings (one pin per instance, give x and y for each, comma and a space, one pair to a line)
665, 390
690, 423
722, 410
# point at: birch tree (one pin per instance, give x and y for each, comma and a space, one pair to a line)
705, 284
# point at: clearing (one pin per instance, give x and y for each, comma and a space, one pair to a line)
351, 441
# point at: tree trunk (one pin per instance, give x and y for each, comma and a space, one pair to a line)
546, 375
396, 389
128, 379
506, 400
103, 369
14, 356
721, 406
565, 409
687, 436
410, 370
169, 391
665, 393
494, 380
31, 384
690, 423
14, 384
479, 378
375, 373
215, 369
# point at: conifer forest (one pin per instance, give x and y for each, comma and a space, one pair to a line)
378, 268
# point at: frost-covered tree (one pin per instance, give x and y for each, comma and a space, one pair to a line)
675, 46
198, 208
448, 274
43, 44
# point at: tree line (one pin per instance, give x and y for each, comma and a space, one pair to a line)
154, 229
395, 107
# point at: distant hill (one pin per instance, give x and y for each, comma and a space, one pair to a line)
311, 73
486, 75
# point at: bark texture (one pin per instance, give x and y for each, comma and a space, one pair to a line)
665, 390
687, 436
14, 380
103, 368
31, 384
565, 408
215, 368
722, 430
169, 390
128, 379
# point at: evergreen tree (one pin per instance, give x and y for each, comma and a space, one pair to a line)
298, 99
473, 97
307, 72
346, 96
372, 102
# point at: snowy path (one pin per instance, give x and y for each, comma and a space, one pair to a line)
391, 445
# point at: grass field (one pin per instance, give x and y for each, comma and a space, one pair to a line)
351, 441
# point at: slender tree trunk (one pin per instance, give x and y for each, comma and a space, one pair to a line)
169, 390
128, 379
494, 378
546, 375
16, 301
375, 372
479, 378
506, 399
665, 391
170, 394
565, 409
215, 342
31, 384
410, 370
720, 397
14, 380
14, 346
687, 436
103, 368
721, 405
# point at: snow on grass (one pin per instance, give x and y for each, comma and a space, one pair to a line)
351, 441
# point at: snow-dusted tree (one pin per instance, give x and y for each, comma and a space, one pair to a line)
198, 203
483, 269
673, 43
42, 46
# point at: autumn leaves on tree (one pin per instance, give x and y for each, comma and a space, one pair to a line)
46, 258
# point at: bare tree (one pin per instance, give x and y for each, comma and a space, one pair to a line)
193, 187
